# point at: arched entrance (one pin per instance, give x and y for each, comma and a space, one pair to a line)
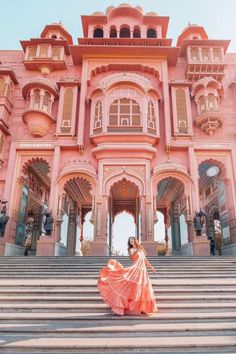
122, 228
34, 194
215, 194
171, 201
124, 196
75, 202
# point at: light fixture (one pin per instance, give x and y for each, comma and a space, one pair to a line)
212, 171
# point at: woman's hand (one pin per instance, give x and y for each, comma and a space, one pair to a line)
154, 270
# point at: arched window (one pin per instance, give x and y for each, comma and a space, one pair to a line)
2, 86
113, 32
151, 33
98, 115
54, 36
98, 33
46, 102
136, 32
202, 104
125, 32
151, 119
124, 112
36, 99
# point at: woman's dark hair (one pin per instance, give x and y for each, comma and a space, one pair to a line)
129, 244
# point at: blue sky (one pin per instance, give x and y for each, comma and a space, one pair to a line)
25, 19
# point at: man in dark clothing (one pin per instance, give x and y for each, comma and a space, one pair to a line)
212, 246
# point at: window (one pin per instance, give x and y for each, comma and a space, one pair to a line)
206, 54
56, 52
98, 115
212, 103
217, 54
202, 104
32, 53
36, 99
43, 53
151, 119
54, 36
151, 33
181, 108
124, 112
113, 32
46, 102
194, 54
67, 111
125, 32
98, 33
136, 32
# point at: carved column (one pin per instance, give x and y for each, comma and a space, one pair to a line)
72, 229
99, 246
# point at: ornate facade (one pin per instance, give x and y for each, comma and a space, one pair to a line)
121, 120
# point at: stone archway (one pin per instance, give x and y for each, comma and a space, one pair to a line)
32, 198
173, 191
123, 196
217, 194
75, 199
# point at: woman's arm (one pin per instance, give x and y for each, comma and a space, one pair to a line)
150, 266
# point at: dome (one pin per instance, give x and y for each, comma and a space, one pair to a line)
97, 13
152, 13
124, 5
189, 26
139, 8
109, 8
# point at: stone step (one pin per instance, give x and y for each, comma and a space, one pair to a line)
101, 307
99, 317
88, 298
160, 293
93, 282
110, 327
114, 344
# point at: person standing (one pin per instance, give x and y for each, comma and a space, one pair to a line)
212, 246
128, 290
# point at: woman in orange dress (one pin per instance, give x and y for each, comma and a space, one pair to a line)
128, 290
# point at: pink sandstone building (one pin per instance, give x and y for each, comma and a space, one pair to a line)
121, 120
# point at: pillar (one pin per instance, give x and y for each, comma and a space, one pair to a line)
72, 229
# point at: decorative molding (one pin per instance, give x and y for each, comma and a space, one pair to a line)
112, 79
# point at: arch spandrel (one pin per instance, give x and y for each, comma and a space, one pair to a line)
77, 169
123, 174
219, 161
175, 171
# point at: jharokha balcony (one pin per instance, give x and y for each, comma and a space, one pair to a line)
209, 121
45, 55
40, 95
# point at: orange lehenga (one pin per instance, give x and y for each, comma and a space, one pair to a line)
127, 290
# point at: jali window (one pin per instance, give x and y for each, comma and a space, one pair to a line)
124, 112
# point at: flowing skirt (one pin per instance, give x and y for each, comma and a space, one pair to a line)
127, 290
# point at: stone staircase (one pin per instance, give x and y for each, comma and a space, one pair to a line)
52, 305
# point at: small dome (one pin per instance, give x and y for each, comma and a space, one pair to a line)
109, 8
124, 5
152, 13
189, 26
97, 13
139, 8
